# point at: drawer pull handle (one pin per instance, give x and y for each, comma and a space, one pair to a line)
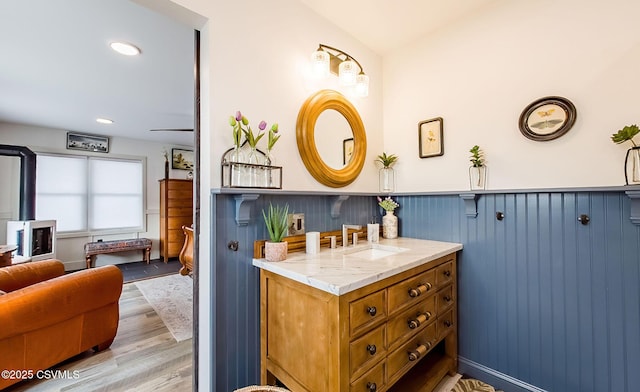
372, 311
420, 318
448, 323
419, 351
371, 348
447, 273
372, 387
423, 288
447, 298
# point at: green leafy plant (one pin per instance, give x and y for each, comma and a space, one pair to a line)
477, 156
276, 220
626, 133
387, 160
273, 138
387, 203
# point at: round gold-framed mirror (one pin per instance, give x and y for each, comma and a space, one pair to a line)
312, 108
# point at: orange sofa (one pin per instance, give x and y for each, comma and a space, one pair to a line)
47, 316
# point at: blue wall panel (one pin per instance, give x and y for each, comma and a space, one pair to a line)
542, 298
237, 287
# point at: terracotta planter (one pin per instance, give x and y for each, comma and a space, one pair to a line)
275, 251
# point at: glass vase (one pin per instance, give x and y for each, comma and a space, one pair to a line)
253, 159
632, 166
269, 160
387, 180
478, 177
237, 159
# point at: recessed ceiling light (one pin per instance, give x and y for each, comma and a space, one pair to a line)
125, 48
104, 121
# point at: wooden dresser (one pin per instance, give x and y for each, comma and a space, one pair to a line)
397, 334
176, 210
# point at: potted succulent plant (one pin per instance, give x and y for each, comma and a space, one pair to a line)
478, 169
276, 221
387, 175
632, 160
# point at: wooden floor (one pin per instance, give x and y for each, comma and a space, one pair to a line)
143, 357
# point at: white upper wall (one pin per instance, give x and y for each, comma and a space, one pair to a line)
480, 73
258, 57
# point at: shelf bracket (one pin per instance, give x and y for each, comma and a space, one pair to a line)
635, 206
243, 207
337, 205
470, 205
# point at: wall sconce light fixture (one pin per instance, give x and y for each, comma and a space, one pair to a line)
350, 73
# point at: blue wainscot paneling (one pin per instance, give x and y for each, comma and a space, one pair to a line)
236, 291
545, 302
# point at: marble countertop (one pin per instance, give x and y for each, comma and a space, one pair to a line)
344, 269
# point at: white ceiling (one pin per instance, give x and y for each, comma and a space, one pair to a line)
57, 70
383, 25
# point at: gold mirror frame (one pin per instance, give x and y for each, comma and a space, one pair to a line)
312, 108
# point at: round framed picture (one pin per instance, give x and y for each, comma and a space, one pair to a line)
547, 118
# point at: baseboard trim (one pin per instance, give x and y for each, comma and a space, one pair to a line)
494, 378
74, 265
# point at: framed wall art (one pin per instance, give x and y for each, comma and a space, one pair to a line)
95, 143
347, 150
547, 118
181, 159
431, 138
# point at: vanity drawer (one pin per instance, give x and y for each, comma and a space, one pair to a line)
373, 380
410, 321
445, 299
409, 354
367, 350
367, 311
445, 323
411, 290
444, 274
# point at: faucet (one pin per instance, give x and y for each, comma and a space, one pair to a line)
345, 239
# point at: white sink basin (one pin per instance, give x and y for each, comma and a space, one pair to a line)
373, 251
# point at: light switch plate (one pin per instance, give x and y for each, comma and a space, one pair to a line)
295, 223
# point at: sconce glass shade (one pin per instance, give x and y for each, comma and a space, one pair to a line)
320, 63
362, 85
347, 73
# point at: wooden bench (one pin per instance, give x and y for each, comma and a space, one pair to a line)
91, 249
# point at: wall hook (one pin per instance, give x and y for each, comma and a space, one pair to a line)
499, 215
233, 245
584, 219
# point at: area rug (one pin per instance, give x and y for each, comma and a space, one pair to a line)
171, 297
459, 384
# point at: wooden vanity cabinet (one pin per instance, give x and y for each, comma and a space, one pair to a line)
398, 334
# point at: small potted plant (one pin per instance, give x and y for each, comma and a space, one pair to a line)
276, 221
478, 169
387, 175
632, 160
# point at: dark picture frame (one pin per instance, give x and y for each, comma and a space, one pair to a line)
547, 118
347, 150
94, 143
181, 159
431, 137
